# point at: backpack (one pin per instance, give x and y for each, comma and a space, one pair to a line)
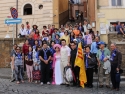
68, 74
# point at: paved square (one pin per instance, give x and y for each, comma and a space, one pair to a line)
7, 87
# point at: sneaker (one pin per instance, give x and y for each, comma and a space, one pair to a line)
48, 83
41, 83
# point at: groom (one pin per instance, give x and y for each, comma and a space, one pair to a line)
65, 57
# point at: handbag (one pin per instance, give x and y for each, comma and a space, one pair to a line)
117, 77
36, 74
92, 60
68, 74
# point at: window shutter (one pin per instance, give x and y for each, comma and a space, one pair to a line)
114, 2
119, 2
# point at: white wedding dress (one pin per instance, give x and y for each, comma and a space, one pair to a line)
58, 76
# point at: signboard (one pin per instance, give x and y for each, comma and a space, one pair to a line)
101, 15
102, 28
13, 21
14, 13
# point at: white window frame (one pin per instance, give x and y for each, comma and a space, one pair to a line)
116, 2
110, 5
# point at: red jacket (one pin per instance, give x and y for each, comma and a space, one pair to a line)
25, 49
44, 32
36, 36
51, 31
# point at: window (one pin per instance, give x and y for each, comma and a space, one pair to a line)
27, 9
40, 6
116, 2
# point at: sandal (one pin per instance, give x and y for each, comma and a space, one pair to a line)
22, 81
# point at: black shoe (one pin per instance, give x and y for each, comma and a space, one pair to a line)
12, 80
117, 89
91, 86
67, 85
107, 86
63, 84
113, 88
100, 86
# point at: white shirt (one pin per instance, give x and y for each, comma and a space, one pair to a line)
23, 31
68, 49
28, 30
61, 34
86, 27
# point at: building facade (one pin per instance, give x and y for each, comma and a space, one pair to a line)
39, 12
77, 6
108, 12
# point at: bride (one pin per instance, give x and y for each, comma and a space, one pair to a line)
57, 77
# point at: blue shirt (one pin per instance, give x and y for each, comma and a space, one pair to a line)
31, 42
118, 28
94, 47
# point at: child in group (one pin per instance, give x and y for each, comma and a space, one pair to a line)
37, 60
29, 64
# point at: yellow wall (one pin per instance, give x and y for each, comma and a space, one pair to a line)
60, 10
55, 13
110, 14
63, 5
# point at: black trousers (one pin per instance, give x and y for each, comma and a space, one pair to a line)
89, 74
113, 76
76, 71
45, 72
96, 66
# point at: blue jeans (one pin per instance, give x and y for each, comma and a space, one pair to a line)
18, 72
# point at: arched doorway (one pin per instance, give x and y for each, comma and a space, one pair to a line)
27, 10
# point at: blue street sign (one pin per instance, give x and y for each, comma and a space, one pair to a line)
13, 21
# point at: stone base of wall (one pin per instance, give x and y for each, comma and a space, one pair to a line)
119, 40
6, 46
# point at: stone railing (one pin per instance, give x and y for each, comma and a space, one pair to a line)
6, 46
119, 40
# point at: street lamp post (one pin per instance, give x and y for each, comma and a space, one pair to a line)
16, 24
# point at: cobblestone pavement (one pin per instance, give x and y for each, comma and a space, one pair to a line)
31, 88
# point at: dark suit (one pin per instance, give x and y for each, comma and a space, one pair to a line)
115, 63
82, 29
76, 69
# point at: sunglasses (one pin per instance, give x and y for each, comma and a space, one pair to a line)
72, 45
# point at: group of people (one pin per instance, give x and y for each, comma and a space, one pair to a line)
54, 49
